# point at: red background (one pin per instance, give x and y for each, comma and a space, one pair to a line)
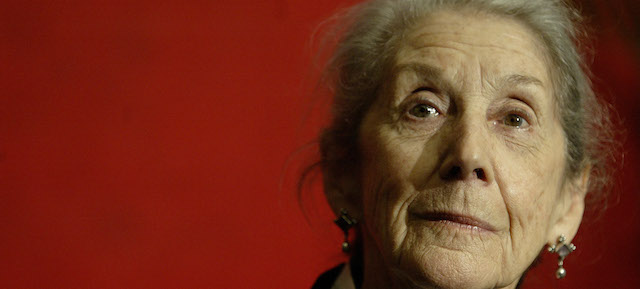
142, 144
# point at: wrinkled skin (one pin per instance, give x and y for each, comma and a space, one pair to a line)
462, 159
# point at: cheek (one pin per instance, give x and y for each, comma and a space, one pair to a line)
530, 186
388, 163
529, 199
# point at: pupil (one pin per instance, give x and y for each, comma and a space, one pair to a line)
515, 120
423, 110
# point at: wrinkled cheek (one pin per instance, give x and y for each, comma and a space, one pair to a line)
384, 178
540, 206
375, 199
385, 210
530, 226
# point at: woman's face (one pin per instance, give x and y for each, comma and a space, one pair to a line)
463, 157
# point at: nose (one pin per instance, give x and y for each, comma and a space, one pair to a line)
467, 154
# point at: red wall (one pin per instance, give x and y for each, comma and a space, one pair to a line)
142, 144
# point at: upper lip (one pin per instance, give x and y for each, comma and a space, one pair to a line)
457, 218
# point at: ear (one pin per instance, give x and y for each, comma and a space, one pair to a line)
570, 207
343, 193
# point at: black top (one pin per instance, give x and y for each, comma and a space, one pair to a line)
328, 278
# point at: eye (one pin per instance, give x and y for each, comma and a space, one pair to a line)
515, 120
423, 110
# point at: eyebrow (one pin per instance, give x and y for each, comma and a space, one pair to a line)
428, 72
519, 79
434, 74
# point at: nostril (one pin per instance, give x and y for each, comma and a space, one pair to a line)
454, 173
459, 173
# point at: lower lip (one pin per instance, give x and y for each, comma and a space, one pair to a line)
453, 224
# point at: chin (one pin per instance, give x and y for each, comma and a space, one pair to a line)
444, 268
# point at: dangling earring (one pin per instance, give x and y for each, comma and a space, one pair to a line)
563, 250
345, 222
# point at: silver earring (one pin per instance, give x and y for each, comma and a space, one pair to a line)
563, 250
345, 222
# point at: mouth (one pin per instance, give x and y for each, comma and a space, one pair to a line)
457, 220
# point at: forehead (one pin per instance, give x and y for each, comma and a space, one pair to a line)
453, 41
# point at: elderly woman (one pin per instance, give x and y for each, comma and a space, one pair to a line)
464, 140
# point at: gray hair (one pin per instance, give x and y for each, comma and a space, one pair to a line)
368, 43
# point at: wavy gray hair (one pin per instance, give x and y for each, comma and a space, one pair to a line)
369, 40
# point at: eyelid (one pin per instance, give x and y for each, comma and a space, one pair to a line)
526, 100
523, 104
439, 101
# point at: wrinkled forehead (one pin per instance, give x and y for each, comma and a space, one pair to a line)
496, 38
443, 42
